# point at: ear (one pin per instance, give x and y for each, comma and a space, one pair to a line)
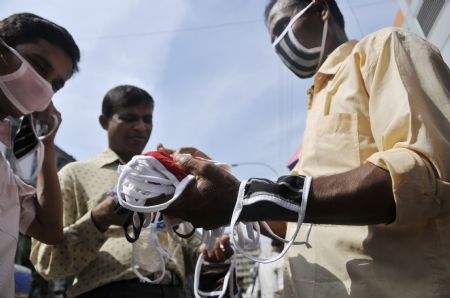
326, 15
104, 121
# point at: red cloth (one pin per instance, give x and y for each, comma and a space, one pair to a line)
167, 161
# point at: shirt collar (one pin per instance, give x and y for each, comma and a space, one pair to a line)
5, 132
108, 157
335, 59
333, 63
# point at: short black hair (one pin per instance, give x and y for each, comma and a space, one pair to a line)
27, 27
334, 9
124, 96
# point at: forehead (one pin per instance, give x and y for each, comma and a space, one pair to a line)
282, 4
59, 60
142, 108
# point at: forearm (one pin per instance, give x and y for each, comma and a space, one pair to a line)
362, 196
48, 224
279, 228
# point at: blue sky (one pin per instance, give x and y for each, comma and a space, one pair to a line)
209, 65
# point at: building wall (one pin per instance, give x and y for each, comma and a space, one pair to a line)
414, 15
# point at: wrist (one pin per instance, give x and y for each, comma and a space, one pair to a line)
99, 220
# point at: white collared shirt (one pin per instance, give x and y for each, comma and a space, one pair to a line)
17, 211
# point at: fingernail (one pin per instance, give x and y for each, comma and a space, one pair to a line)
182, 158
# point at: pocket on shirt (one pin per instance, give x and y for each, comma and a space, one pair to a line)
331, 145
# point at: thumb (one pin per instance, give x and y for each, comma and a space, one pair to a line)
202, 168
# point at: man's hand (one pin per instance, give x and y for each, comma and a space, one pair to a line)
47, 117
183, 150
103, 215
209, 200
221, 251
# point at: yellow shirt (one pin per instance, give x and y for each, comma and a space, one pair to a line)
383, 100
92, 257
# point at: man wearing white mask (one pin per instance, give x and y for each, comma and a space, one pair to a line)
374, 172
36, 58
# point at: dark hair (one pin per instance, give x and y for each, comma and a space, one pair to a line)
334, 9
27, 27
124, 96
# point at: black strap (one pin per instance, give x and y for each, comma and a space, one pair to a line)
136, 229
184, 236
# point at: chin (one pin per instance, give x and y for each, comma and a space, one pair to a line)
137, 150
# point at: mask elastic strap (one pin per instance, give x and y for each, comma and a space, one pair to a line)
136, 224
39, 149
271, 233
122, 197
238, 209
291, 22
228, 280
143, 278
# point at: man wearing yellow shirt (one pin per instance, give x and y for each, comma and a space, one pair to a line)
94, 250
377, 146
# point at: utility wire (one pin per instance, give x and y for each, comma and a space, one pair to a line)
178, 30
256, 163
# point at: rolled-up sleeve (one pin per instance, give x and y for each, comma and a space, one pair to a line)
409, 109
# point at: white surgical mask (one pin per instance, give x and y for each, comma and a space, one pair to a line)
25, 88
302, 61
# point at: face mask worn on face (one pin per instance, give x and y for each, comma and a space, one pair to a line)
25, 88
302, 61
28, 140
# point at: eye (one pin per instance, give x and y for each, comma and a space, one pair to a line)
147, 119
39, 66
128, 118
57, 84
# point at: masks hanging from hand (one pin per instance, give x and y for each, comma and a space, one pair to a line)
302, 61
25, 88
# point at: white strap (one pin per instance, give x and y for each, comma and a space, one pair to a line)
228, 280
238, 209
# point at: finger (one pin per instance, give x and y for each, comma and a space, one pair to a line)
226, 246
193, 151
219, 253
199, 167
160, 147
203, 250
